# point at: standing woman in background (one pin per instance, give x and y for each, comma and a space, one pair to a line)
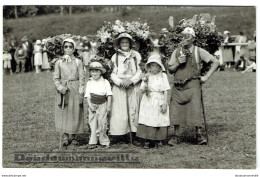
69, 81
227, 52
84, 52
45, 59
37, 56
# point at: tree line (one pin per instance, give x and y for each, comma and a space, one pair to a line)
16, 12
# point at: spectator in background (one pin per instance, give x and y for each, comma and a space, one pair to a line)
219, 55
84, 51
154, 38
37, 56
20, 58
162, 39
13, 44
29, 48
251, 55
227, 51
93, 45
7, 57
45, 58
240, 51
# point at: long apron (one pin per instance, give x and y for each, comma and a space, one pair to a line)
185, 106
119, 124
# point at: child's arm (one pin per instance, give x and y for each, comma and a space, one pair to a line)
164, 106
109, 101
90, 105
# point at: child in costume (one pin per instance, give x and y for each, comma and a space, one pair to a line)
99, 95
154, 110
126, 77
7, 61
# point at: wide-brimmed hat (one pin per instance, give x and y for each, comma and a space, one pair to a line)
44, 41
226, 32
38, 42
98, 66
189, 30
70, 41
182, 20
122, 35
25, 38
164, 30
154, 58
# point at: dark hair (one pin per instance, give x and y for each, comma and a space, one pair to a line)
130, 41
241, 33
87, 44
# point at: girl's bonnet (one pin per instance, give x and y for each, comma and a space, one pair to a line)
122, 35
154, 58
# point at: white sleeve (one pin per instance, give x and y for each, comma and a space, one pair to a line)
116, 80
137, 77
165, 84
108, 88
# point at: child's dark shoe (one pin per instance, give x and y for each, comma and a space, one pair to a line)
105, 146
174, 141
75, 142
201, 140
92, 146
146, 145
65, 143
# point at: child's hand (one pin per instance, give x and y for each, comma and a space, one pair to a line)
93, 107
163, 108
63, 90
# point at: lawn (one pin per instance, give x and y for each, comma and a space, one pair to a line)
230, 104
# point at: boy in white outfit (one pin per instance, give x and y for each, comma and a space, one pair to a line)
7, 61
99, 95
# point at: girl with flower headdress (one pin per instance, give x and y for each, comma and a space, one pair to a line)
69, 81
126, 77
154, 110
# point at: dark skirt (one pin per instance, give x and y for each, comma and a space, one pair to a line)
151, 133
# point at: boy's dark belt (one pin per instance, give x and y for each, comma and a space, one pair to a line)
97, 99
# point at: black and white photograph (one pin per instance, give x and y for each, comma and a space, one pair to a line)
122, 86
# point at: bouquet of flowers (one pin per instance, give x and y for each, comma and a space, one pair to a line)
54, 48
139, 31
145, 79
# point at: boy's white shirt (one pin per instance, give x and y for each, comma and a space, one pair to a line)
7, 56
99, 87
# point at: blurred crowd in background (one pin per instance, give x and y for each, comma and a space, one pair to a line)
237, 53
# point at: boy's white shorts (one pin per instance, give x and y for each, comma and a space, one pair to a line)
7, 64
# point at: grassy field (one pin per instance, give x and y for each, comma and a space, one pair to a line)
230, 103
234, 19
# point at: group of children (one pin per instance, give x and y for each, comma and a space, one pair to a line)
152, 108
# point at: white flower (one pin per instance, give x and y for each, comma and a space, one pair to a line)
117, 22
118, 29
